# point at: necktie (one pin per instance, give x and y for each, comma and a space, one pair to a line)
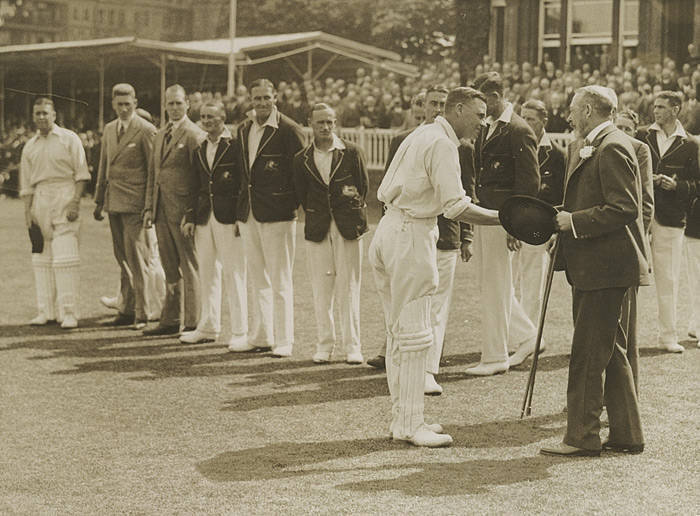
120, 133
169, 133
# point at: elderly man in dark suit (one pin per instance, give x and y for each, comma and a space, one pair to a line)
331, 183
211, 221
603, 253
266, 211
170, 186
530, 262
127, 145
505, 163
675, 166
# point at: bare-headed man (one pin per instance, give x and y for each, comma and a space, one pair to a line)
127, 145
331, 183
53, 176
422, 182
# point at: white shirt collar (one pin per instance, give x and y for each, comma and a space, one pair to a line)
545, 141
126, 124
176, 125
678, 131
442, 122
271, 120
336, 145
593, 134
224, 134
54, 130
505, 117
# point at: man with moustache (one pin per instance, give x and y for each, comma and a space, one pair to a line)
52, 178
422, 182
331, 184
674, 159
602, 251
453, 238
210, 219
127, 145
505, 163
530, 262
170, 186
266, 211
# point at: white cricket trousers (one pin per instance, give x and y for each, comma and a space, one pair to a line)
218, 250
667, 253
504, 323
403, 257
56, 269
269, 248
440, 306
335, 269
692, 252
529, 272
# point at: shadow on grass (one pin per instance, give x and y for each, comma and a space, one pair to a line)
27, 331
292, 460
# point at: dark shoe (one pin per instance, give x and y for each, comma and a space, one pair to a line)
121, 320
188, 328
163, 330
564, 450
623, 448
378, 362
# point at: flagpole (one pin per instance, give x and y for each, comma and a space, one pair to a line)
231, 85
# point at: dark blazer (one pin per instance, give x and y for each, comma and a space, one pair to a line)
170, 177
343, 198
506, 163
603, 194
552, 162
451, 233
267, 184
216, 188
123, 170
680, 162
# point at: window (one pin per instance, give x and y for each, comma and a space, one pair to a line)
591, 17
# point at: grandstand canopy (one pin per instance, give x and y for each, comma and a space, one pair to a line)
76, 67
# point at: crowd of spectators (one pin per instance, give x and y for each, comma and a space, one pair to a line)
374, 99
379, 99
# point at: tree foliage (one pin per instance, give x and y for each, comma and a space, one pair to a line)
8, 9
415, 28
473, 21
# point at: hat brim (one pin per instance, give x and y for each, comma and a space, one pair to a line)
528, 219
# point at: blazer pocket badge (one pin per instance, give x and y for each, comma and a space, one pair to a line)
131, 145
350, 191
272, 166
227, 174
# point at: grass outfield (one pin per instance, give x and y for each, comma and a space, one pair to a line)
104, 421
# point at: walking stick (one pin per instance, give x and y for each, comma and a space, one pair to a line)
527, 401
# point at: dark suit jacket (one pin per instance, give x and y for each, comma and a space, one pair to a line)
170, 178
506, 163
643, 154
451, 233
343, 198
603, 193
681, 162
216, 187
552, 162
267, 184
123, 170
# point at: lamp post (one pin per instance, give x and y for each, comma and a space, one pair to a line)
231, 85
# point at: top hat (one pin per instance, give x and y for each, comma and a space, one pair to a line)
528, 219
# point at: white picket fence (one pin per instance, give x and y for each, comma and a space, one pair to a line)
375, 142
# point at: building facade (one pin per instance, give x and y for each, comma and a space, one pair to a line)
594, 31
65, 20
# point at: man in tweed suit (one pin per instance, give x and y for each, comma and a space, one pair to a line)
127, 145
170, 185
